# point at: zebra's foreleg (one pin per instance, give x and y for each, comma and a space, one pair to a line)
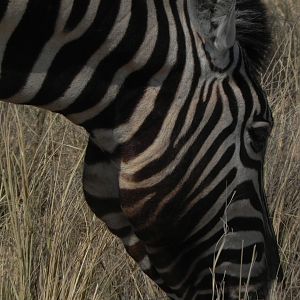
101, 189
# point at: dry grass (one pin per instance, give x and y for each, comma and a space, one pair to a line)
282, 82
51, 245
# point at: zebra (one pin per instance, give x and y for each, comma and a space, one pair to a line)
168, 92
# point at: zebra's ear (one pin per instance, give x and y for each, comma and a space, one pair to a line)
226, 28
215, 22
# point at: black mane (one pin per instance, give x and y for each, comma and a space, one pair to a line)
253, 33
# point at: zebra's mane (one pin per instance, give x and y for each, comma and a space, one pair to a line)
253, 33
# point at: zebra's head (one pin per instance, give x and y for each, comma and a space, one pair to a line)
234, 38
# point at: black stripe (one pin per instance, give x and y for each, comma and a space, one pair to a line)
26, 43
162, 259
230, 281
226, 255
149, 130
195, 83
176, 205
78, 11
248, 104
3, 7
94, 154
167, 249
237, 224
241, 192
159, 164
74, 55
134, 86
121, 232
262, 98
102, 206
164, 229
231, 97
169, 182
170, 153
247, 190
200, 110
185, 225
120, 56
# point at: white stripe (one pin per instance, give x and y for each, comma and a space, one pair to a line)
239, 208
13, 15
130, 240
52, 47
157, 177
139, 59
155, 149
145, 263
84, 76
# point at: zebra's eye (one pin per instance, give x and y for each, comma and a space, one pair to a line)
259, 133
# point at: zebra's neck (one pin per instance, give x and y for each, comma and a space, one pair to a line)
80, 59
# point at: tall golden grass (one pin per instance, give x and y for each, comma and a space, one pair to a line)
51, 245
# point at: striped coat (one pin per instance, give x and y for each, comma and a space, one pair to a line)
177, 121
